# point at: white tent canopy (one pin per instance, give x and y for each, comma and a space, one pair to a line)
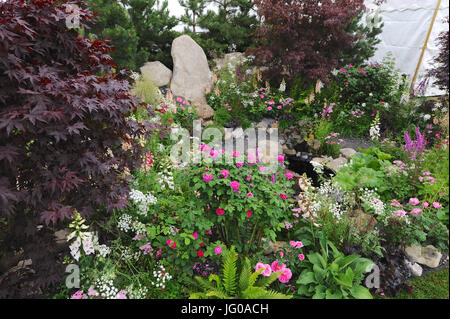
406, 27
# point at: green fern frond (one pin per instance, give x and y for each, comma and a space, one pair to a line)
203, 283
266, 281
254, 277
214, 277
272, 294
218, 294
245, 275
253, 293
197, 295
230, 271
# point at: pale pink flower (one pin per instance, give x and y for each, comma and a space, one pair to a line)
92, 291
395, 203
400, 213
276, 267
414, 201
437, 205
301, 257
416, 211
425, 204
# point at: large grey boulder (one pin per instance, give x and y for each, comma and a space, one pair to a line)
157, 72
191, 75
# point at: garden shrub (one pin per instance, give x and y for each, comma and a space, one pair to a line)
63, 119
304, 39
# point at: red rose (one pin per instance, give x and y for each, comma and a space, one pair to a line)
200, 253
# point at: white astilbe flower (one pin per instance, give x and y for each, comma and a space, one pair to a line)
374, 130
125, 223
317, 167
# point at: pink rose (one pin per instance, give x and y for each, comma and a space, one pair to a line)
249, 213
225, 173
267, 270
236, 154
239, 165
285, 276
280, 158
195, 235
414, 201
220, 211
301, 257
249, 194
288, 175
283, 196
425, 204
207, 178
218, 250
234, 185
416, 211
276, 267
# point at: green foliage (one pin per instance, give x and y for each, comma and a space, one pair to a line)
147, 91
332, 275
229, 28
193, 13
247, 286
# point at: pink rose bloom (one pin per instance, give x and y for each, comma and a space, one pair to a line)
262, 168
280, 158
195, 235
301, 257
171, 243
218, 250
179, 100
276, 267
437, 205
266, 272
416, 211
209, 232
288, 175
285, 276
207, 178
249, 213
425, 204
400, 213
414, 201
269, 108
250, 195
283, 196
239, 165
220, 211
293, 243
225, 173
234, 185
299, 244
236, 154
249, 178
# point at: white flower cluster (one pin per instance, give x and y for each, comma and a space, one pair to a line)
161, 277
142, 201
106, 288
166, 179
138, 293
103, 250
126, 224
374, 130
335, 209
317, 167
371, 198
128, 255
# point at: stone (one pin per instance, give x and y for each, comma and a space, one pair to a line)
363, 221
157, 72
275, 247
347, 152
415, 268
321, 160
204, 111
336, 164
289, 151
428, 256
61, 236
191, 76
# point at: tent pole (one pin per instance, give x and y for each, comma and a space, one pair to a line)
424, 47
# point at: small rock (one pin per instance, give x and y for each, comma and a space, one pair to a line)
363, 221
428, 256
61, 236
415, 268
157, 72
337, 163
204, 111
289, 151
321, 160
347, 152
